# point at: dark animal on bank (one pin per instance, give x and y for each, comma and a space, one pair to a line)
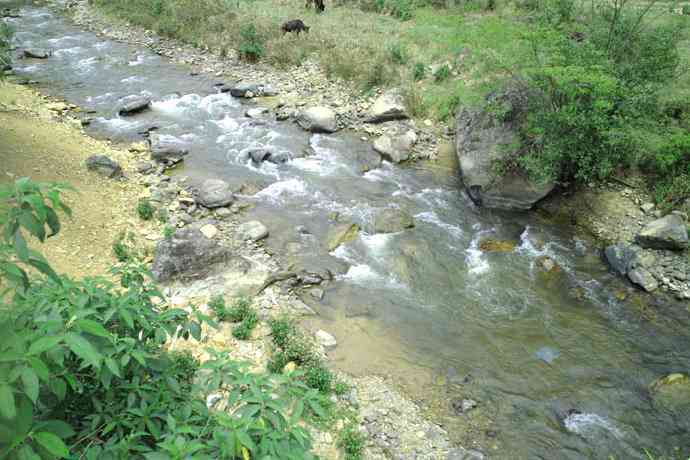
296, 25
319, 6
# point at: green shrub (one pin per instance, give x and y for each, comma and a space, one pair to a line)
419, 71
594, 102
121, 251
217, 306
442, 73
145, 209
402, 9
352, 442
245, 328
282, 328
86, 372
251, 44
340, 388
168, 232
319, 377
239, 310
685, 10
398, 53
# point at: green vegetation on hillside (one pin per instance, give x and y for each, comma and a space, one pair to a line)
5, 35
85, 371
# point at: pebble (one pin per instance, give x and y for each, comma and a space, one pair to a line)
209, 231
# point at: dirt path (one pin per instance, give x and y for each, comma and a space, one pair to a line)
35, 143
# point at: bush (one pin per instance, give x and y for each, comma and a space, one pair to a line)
594, 101
217, 305
251, 44
398, 53
85, 365
352, 442
145, 209
245, 328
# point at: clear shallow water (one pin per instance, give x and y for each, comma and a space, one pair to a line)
425, 306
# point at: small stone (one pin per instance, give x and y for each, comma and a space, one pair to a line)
103, 166
252, 230
647, 207
209, 231
644, 279
317, 293
215, 193
325, 339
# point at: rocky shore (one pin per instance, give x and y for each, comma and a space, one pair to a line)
298, 94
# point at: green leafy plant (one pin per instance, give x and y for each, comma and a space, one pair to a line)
352, 442
398, 53
251, 44
168, 232
5, 36
240, 309
244, 330
217, 305
145, 209
86, 373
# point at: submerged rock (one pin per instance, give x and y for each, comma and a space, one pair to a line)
672, 391
396, 147
186, 253
342, 233
131, 105
166, 148
388, 106
492, 245
482, 140
252, 230
669, 232
103, 166
215, 193
547, 354
392, 220
318, 120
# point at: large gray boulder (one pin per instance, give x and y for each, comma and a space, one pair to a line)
644, 279
483, 140
669, 232
396, 147
252, 230
389, 106
166, 148
103, 166
318, 120
215, 193
187, 253
620, 257
392, 220
134, 104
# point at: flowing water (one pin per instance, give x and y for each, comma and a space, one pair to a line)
424, 306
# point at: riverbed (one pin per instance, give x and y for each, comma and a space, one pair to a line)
559, 363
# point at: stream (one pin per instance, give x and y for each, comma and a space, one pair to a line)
559, 366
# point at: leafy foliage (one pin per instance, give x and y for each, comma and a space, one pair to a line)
251, 44
594, 105
419, 71
352, 442
85, 371
292, 346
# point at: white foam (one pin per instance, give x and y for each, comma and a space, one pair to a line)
278, 191
376, 243
69, 51
133, 79
99, 98
431, 218
86, 65
102, 45
362, 274
474, 257
587, 424
55, 41
118, 124
177, 107
217, 105
140, 59
227, 124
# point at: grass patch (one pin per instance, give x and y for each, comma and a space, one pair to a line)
352, 442
145, 209
291, 345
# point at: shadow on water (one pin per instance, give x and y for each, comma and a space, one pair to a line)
560, 367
